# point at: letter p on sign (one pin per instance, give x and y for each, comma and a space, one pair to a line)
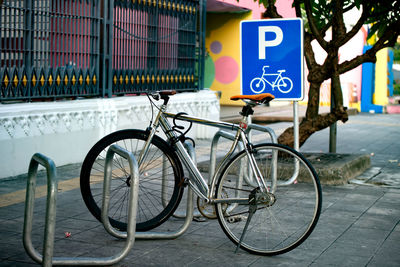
262, 43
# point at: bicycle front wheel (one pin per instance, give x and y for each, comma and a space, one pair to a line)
279, 220
160, 174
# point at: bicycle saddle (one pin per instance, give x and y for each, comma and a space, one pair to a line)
167, 92
257, 99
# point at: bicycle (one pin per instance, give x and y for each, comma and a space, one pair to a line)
267, 197
284, 84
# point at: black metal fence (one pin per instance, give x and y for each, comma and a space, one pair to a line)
85, 48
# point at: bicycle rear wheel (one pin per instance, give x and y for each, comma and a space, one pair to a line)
285, 85
285, 216
160, 174
257, 85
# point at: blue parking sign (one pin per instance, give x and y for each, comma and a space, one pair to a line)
272, 57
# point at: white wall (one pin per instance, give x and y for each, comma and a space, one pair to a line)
66, 130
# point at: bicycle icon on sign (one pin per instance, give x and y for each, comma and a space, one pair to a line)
284, 84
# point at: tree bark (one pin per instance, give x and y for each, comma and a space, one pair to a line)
309, 126
314, 121
271, 12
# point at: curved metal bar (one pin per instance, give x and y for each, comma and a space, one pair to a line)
295, 174
177, 233
132, 210
213, 151
189, 210
133, 167
262, 128
48, 244
296, 144
192, 153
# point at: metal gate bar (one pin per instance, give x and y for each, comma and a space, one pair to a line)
68, 49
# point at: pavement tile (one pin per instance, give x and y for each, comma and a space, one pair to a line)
378, 222
339, 216
10, 246
387, 255
365, 249
162, 256
362, 236
280, 260
12, 212
17, 264
68, 247
395, 235
384, 209
332, 258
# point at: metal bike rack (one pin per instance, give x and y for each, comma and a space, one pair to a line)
48, 245
213, 152
230, 136
134, 171
261, 128
190, 149
250, 128
188, 216
274, 139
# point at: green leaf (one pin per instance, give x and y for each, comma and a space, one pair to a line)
381, 30
373, 29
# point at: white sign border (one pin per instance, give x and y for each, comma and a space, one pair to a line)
302, 55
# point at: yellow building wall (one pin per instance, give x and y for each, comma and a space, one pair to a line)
380, 96
222, 71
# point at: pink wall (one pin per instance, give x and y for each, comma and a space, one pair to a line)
284, 7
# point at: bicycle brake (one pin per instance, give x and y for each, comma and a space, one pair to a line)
183, 182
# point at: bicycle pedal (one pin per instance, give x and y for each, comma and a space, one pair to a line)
199, 219
235, 219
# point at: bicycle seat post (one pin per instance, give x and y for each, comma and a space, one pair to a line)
164, 95
247, 110
252, 101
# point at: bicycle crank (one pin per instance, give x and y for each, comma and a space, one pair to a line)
256, 197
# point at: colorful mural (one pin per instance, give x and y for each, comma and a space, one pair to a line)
223, 53
223, 49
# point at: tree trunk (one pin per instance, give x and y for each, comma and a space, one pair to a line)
313, 121
381, 13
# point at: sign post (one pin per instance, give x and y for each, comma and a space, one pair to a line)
272, 60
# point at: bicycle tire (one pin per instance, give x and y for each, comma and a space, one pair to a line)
285, 85
152, 210
254, 86
283, 223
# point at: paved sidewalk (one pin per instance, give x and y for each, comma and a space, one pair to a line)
359, 224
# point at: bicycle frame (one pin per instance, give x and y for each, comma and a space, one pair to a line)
196, 180
278, 78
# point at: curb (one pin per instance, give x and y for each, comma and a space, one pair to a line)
332, 169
